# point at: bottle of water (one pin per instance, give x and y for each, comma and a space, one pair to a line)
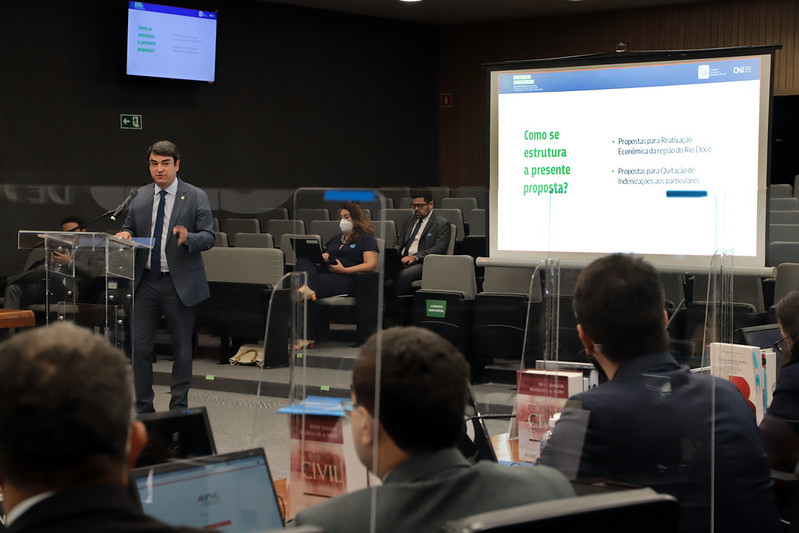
545, 439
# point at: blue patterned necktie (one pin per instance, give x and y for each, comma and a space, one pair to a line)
155, 254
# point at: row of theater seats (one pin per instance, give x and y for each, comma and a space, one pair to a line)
783, 235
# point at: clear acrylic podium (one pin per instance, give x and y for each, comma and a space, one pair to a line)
86, 278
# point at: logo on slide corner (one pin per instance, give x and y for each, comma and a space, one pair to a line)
704, 72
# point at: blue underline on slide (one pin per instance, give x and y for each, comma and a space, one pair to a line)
686, 194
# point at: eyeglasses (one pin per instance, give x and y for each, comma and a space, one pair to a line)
782, 346
419, 206
347, 406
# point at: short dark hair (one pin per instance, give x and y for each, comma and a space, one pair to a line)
164, 148
424, 384
77, 220
787, 311
619, 302
65, 407
424, 193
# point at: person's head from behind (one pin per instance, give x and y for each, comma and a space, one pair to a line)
70, 223
620, 308
65, 412
353, 214
424, 384
164, 160
787, 311
421, 202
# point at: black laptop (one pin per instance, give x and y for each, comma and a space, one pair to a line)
176, 434
307, 248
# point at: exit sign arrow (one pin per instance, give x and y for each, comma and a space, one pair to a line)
130, 122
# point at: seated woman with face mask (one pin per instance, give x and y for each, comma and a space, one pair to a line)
355, 250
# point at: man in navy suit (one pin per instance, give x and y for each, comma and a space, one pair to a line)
422, 234
170, 278
654, 422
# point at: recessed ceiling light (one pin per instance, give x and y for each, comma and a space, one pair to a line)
410, 0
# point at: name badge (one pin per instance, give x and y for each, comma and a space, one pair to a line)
352, 245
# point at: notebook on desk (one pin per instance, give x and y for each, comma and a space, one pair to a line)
230, 492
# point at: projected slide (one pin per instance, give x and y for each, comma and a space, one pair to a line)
662, 159
171, 42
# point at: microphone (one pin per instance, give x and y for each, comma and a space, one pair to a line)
124, 204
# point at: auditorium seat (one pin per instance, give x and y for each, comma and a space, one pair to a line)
787, 279
511, 299
478, 193
220, 239
232, 226
783, 252
395, 193
240, 281
360, 308
620, 511
387, 230
783, 217
253, 240
399, 216
476, 218
784, 204
307, 215
780, 190
464, 204
278, 227
326, 229
455, 216
783, 232
445, 301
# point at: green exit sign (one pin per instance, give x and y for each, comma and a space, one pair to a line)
130, 122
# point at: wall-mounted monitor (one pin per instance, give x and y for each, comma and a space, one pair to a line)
171, 42
661, 154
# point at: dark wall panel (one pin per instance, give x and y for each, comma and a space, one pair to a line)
302, 97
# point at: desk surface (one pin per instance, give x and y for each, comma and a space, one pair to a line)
16, 318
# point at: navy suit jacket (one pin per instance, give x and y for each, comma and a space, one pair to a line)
425, 491
192, 210
653, 425
435, 239
89, 509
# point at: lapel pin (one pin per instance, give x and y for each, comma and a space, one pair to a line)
182, 196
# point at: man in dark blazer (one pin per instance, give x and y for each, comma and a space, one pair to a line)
67, 438
654, 422
170, 278
426, 480
431, 237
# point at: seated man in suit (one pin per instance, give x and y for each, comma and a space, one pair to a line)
67, 438
411, 445
28, 287
422, 234
654, 422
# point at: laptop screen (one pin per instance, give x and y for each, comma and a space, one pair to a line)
176, 434
230, 492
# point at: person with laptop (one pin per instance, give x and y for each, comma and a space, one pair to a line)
422, 234
355, 250
67, 438
405, 426
654, 422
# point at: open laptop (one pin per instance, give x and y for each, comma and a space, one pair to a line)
231, 492
176, 434
307, 248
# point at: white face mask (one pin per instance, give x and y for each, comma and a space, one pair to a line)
345, 225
